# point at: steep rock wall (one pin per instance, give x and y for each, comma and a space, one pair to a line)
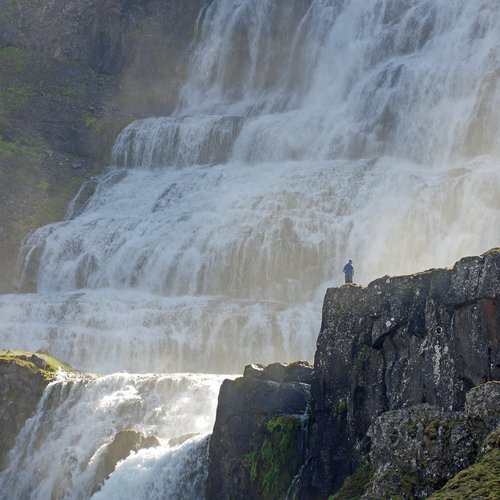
23, 378
425, 338
255, 448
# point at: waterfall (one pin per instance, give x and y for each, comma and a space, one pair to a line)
58, 452
307, 132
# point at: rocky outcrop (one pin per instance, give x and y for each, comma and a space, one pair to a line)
404, 395
422, 339
72, 75
416, 450
255, 448
23, 378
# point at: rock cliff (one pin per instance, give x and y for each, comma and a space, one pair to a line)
402, 397
426, 338
23, 378
72, 75
255, 449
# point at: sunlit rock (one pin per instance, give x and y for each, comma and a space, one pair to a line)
123, 444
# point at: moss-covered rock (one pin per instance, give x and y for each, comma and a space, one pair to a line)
255, 447
480, 480
274, 466
23, 378
354, 486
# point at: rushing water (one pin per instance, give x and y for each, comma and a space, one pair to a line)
308, 132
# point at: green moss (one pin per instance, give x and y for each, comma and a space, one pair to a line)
273, 468
354, 486
14, 58
49, 203
251, 462
340, 407
481, 480
412, 429
89, 120
10, 149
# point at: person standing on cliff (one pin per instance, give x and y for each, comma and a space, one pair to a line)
349, 271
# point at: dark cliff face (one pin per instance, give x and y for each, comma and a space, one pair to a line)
426, 338
23, 378
255, 448
404, 395
72, 75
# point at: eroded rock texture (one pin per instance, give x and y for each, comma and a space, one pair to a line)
255, 448
410, 340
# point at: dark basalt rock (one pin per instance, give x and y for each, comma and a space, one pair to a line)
403, 394
417, 450
23, 378
246, 408
426, 338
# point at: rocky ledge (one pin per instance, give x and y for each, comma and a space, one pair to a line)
23, 378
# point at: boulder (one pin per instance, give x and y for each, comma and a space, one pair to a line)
123, 444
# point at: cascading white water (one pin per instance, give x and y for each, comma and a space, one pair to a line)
58, 452
308, 132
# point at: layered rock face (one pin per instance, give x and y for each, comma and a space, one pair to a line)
255, 449
422, 339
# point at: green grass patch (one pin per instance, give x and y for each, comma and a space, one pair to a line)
480, 480
89, 120
10, 149
26, 359
53, 363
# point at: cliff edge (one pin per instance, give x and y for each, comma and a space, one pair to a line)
23, 378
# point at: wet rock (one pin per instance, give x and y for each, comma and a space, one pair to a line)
124, 443
176, 441
266, 403
253, 371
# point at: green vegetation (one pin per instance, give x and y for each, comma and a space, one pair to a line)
48, 202
481, 480
273, 468
354, 486
89, 120
14, 58
10, 149
22, 358
340, 407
